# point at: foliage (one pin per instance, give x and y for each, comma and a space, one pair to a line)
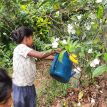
82, 20
13, 14
100, 70
79, 24
52, 91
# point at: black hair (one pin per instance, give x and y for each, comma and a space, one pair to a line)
5, 84
19, 34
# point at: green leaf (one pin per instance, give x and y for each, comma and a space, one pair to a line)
61, 55
100, 11
67, 47
23, 7
95, 26
78, 31
98, 54
56, 6
68, 40
47, 46
52, 39
100, 70
105, 57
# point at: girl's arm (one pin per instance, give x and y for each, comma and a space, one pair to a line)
41, 55
51, 57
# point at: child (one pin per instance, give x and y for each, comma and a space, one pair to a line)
24, 94
5, 89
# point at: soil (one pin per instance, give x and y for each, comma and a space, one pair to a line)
93, 96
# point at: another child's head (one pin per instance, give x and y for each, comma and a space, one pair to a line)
5, 85
23, 35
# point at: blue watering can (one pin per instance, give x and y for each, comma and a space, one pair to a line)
61, 71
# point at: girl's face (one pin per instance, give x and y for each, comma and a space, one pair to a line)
29, 41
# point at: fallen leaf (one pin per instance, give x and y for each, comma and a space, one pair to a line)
80, 95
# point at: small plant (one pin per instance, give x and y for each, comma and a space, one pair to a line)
86, 57
68, 46
54, 90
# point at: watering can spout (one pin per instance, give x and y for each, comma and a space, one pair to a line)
72, 73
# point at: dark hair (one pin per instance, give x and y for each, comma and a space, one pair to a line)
5, 84
19, 34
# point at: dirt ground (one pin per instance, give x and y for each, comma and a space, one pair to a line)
93, 95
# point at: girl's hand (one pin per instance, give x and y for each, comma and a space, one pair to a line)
58, 50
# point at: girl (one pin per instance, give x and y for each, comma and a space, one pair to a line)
5, 89
24, 94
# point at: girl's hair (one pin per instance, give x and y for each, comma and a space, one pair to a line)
19, 34
5, 84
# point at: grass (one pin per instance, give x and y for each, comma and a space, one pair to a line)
54, 90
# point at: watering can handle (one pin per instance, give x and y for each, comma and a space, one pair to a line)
55, 61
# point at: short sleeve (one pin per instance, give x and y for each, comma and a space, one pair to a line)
23, 50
